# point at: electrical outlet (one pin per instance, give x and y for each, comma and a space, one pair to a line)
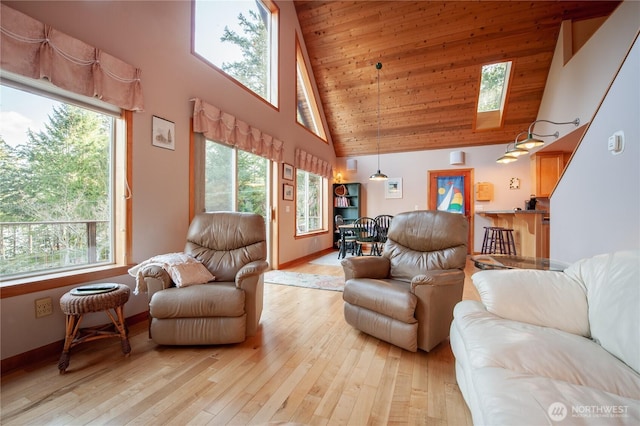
44, 307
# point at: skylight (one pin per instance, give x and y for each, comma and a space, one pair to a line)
494, 86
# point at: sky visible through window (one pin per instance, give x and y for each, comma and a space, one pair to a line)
21, 111
208, 32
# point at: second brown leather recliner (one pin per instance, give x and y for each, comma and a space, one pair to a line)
406, 296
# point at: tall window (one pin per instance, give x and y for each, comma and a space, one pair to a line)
240, 38
494, 86
308, 113
235, 180
309, 202
58, 160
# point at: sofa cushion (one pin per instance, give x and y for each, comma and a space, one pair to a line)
613, 294
208, 300
507, 397
492, 341
545, 298
387, 297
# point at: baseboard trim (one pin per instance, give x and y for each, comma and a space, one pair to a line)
51, 350
305, 259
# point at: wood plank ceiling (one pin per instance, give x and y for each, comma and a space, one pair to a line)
432, 53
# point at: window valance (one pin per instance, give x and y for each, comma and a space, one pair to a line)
313, 164
220, 126
36, 50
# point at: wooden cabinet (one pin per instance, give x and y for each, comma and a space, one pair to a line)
546, 168
346, 203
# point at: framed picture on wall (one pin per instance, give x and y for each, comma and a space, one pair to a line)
393, 188
163, 133
287, 171
287, 192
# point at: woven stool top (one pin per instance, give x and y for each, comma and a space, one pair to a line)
77, 305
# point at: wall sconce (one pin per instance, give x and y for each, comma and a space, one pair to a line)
456, 157
518, 149
339, 178
352, 165
531, 142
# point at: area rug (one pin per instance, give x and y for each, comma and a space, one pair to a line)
298, 279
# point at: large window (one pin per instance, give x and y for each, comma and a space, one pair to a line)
492, 96
309, 203
235, 180
308, 113
240, 38
58, 173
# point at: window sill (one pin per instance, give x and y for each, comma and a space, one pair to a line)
17, 287
312, 234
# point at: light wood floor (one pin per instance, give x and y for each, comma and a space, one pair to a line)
305, 366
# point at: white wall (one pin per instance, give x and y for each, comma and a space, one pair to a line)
413, 168
596, 206
155, 36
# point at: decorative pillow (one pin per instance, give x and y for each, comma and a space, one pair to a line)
186, 274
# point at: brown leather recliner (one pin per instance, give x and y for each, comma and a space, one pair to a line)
406, 296
232, 246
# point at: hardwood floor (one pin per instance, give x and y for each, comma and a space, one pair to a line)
305, 366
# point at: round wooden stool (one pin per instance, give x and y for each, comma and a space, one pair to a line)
93, 298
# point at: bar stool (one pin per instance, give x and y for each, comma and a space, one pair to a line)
93, 298
498, 240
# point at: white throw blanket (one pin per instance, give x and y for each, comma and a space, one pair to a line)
163, 260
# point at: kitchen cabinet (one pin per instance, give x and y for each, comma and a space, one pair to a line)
546, 169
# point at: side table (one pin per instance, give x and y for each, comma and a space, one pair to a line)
101, 297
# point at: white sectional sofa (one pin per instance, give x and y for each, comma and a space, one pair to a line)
547, 347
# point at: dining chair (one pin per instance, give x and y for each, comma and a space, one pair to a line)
382, 228
347, 237
365, 231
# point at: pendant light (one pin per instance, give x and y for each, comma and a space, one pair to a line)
378, 175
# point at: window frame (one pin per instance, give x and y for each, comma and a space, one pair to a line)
323, 207
302, 73
493, 119
274, 46
122, 216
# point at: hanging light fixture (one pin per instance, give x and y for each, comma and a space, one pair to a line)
531, 142
517, 150
378, 175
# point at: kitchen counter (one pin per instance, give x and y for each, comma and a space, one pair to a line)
530, 229
489, 212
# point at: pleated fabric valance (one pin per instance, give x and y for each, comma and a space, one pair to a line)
313, 164
223, 127
36, 50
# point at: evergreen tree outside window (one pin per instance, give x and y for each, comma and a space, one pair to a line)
309, 202
240, 38
494, 87
57, 180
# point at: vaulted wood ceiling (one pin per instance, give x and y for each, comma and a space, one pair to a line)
432, 53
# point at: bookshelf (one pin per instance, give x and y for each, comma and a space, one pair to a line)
346, 202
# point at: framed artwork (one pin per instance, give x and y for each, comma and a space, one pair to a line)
163, 133
287, 192
451, 194
287, 171
393, 188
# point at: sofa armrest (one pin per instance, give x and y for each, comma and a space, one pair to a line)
543, 298
366, 267
155, 279
438, 277
250, 270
